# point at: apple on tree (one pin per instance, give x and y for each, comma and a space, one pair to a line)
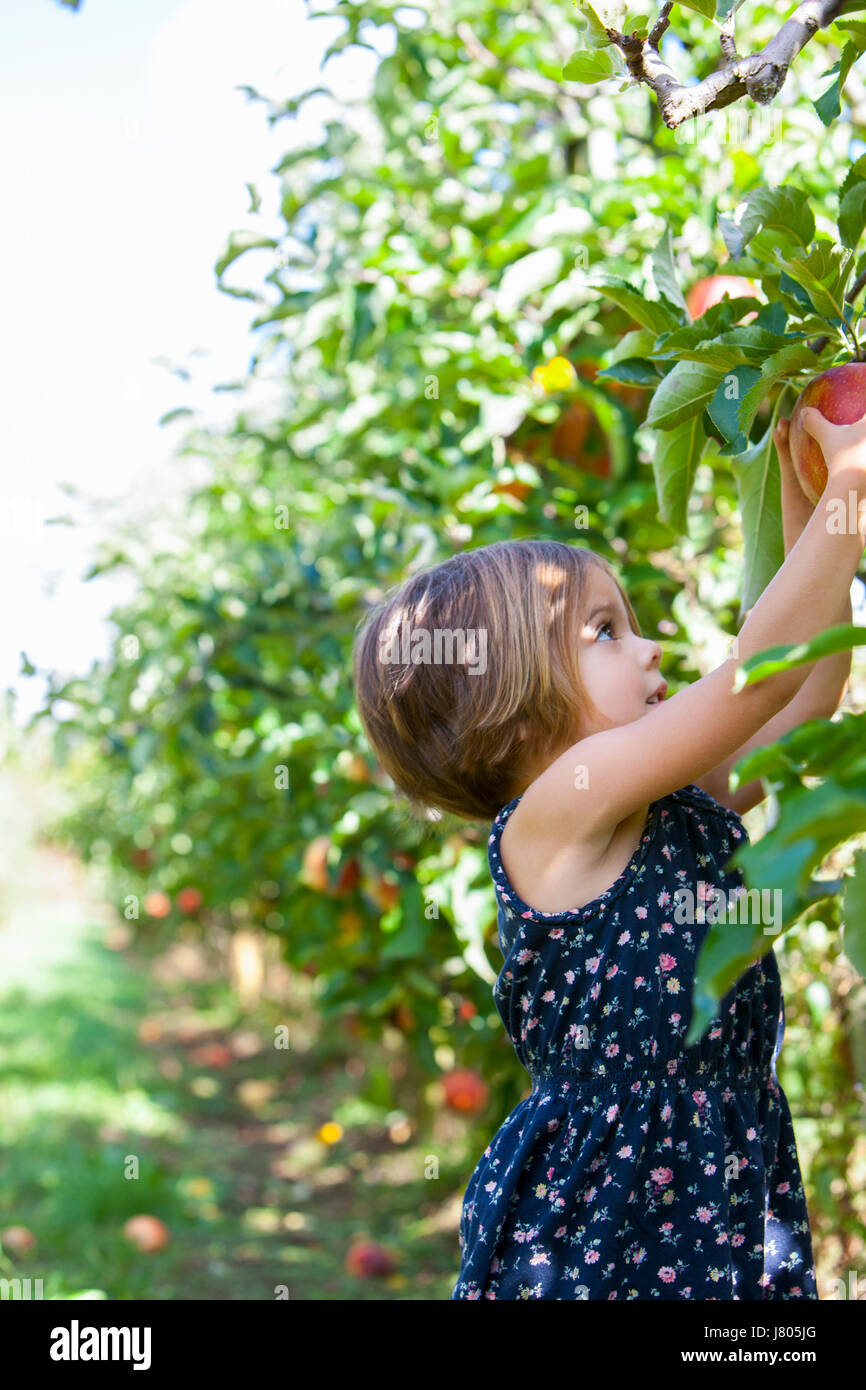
840, 395
712, 289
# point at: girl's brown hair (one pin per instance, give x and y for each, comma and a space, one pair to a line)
462, 741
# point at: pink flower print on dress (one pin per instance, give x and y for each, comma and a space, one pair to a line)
667, 1275
640, 913
667, 962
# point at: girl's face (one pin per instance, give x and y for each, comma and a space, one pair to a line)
618, 668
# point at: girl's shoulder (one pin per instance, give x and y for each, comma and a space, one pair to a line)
584, 875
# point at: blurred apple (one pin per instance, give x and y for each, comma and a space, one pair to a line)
212, 1054
368, 1260
384, 893
189, 900
516, 489
401, 859
17, 1240
147, 1233
157, 904
348, 878
315, 863
465, 1092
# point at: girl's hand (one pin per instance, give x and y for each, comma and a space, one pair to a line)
843, 446
796, 507
786, 463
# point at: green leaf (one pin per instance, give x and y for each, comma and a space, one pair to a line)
856, 174
854, 915
633, 370
658, 317
783, 658
675, 462
785, 211
239, 244
726, 952
638, 343
787, 362
588, 66
852, 215
811, 823
590, 24
823, 274
756, 471
685, 392
665, 275
707, 8
828, 105
724, 408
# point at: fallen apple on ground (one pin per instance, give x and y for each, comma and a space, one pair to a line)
17, 1240
368, 1260
147, 1233
840, 395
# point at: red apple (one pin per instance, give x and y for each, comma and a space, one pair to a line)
570, 431
712, 290
189, 900
348, 878
17, 1240
840, 395
212, 1055
157, 904
147, 1233
516, 489
465, 1092
315, 866
368, 1260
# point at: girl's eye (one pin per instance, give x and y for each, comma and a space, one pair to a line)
606, 627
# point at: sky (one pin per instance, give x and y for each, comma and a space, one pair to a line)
126, 152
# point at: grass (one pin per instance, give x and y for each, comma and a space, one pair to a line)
101, 1123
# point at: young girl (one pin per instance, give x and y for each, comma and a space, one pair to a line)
636, 1168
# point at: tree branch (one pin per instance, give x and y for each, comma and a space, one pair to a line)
759, 76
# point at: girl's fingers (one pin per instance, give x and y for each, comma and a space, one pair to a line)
780, 439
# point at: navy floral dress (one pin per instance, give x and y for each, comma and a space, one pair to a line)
637, 1168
